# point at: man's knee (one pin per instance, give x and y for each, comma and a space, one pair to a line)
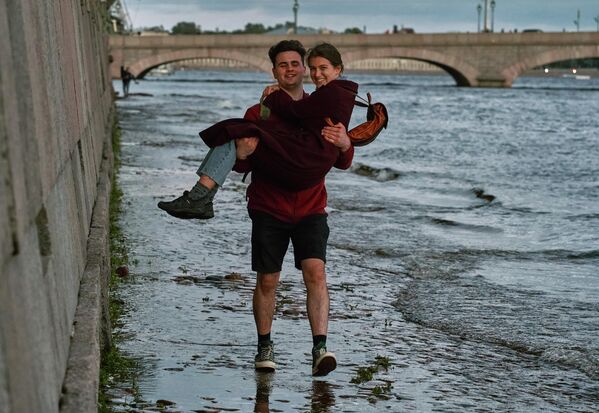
314, 271
267, 282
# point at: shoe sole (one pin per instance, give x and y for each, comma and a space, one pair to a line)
324, 365
265, 366
184, 214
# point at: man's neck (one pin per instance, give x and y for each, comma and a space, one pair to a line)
296, 93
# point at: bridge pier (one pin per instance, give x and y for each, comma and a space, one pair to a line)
492, 83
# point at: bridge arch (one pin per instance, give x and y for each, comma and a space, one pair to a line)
463, 73
511, 72
141, 67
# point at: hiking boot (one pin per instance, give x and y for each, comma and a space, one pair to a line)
323, 361
189, 207
265, 359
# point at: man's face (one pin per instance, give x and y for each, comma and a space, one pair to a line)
289, 70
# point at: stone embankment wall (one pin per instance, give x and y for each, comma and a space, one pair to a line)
55, 127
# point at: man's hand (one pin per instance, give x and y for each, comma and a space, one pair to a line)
337, 135
245, 147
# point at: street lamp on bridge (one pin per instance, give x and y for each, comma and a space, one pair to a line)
486, 17
492, 15
479, 8
597, 21
577, 21
295, 9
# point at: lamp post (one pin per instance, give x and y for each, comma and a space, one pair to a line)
577, 21
486, 18
492, 15
479, 8
295, 9
597, 21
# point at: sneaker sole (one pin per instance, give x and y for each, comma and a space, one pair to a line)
324, 365
184, 214
265, 366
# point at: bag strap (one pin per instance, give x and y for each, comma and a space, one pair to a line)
367, 103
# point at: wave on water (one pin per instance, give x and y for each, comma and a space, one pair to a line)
555, 330
378, 174
583, 255
567, 89
200, 80
227, 104
190, 96
403, 85
461, 225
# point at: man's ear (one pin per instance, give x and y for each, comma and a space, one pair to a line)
274, 75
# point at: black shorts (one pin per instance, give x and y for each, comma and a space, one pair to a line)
270, 240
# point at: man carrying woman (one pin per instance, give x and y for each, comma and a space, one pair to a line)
287, 195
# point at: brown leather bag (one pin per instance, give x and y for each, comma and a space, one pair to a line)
376, 120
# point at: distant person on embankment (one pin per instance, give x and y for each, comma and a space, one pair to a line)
126, 78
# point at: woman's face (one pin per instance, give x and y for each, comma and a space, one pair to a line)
322, 71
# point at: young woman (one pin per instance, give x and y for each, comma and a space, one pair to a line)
293, 152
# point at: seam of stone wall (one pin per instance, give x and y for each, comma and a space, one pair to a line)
81, 382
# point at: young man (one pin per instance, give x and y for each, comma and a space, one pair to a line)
279, 215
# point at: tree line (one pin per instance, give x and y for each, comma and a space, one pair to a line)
250, 28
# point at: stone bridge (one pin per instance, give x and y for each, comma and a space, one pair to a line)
472, 59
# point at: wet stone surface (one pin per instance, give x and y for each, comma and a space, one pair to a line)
409, 261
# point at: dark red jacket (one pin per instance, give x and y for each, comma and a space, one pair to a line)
285, 205
292, 153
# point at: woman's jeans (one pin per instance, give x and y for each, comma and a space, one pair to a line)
219, 162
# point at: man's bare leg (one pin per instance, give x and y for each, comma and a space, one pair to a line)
318, 295
317, 302
264, 301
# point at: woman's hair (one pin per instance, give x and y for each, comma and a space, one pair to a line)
328, 51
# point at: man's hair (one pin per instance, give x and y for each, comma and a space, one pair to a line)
329, 52
286, 46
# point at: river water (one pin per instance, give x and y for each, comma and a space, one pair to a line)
464, 248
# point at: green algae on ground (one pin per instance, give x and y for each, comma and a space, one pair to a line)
366, 374
115, 367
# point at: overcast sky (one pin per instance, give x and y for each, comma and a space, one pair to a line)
425, 16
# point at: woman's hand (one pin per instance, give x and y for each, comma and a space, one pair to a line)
268, 90
337, 135
245, 147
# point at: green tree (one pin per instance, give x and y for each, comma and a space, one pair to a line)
254, 28
352, 30
186, 28
154, 29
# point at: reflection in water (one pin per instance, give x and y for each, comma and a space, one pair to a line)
263, 388
322, 397
321, 401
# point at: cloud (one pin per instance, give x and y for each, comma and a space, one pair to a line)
376, 15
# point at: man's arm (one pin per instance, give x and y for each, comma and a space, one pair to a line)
337, 135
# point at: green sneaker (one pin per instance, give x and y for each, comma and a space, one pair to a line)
323, 361
265, 359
